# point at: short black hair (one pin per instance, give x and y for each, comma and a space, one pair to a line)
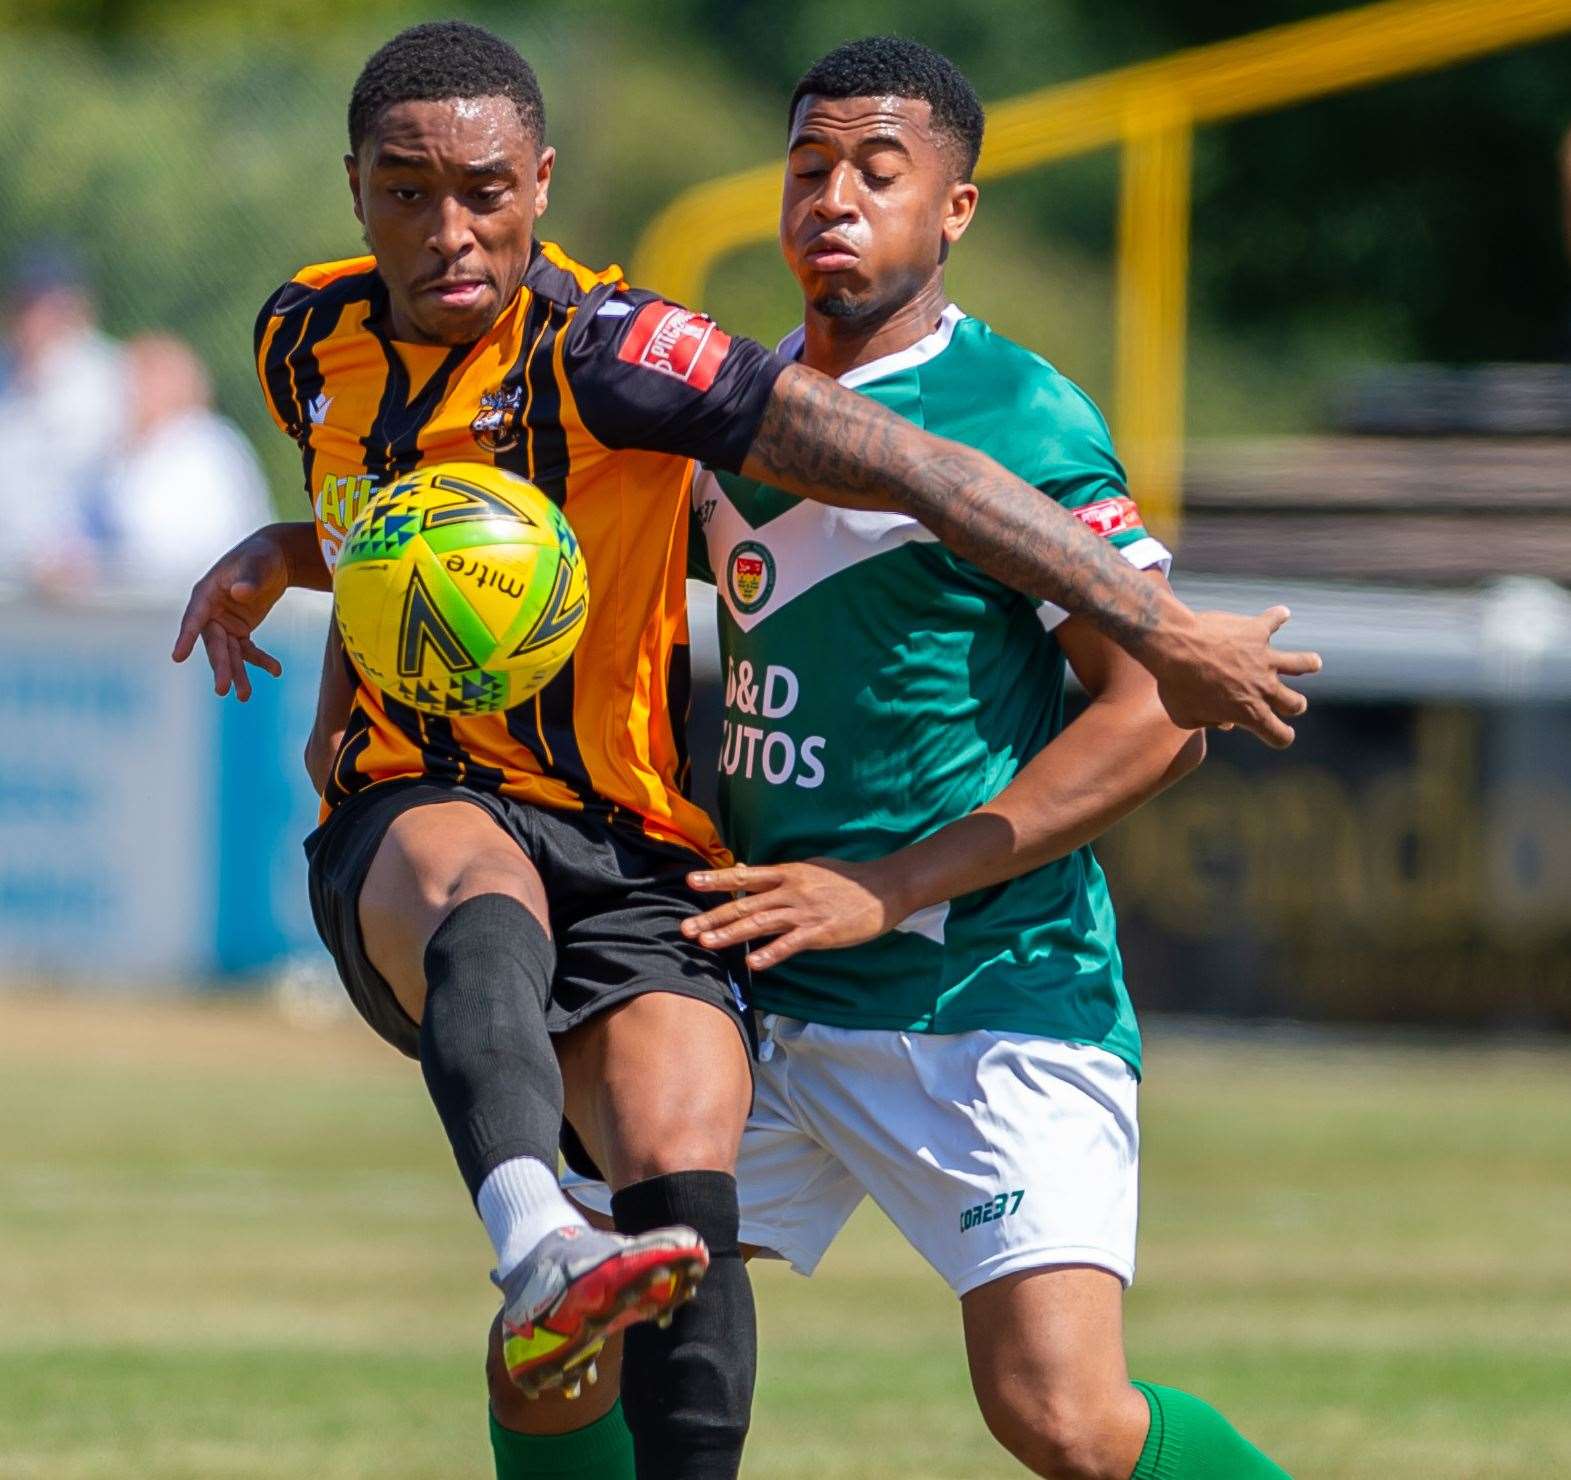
444, 59
897, 67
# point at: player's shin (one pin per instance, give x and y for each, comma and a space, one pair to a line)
491, 1071
603, 1450
1190, 1440
687, 1388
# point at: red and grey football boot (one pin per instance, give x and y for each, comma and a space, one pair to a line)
578, 1286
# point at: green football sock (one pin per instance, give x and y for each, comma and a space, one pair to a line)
603, 1451
1190, 1440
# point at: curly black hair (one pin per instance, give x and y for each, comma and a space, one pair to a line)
897, 67
444, 59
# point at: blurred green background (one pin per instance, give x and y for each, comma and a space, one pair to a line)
191, 153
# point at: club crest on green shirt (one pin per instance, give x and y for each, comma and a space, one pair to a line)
876, 690
750, 575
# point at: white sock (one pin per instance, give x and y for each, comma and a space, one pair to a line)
520, 1203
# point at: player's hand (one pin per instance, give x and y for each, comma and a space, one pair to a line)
227, 605
1224, 672
812, 906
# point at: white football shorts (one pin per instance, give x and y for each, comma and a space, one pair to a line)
992, 1153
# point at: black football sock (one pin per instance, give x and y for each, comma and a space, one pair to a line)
484, 1048
687, 1391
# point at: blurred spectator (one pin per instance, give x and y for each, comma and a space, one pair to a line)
62, 408
187, 484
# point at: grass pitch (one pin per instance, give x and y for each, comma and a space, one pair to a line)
230, 1247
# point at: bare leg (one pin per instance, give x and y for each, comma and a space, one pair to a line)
454, 916
658, 1088
433, 859
658, 1084
551, 1413
1046, 1350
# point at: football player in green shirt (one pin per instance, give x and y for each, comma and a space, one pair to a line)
945, 1025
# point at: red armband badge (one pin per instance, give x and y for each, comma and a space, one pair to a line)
1110, 516
673, 341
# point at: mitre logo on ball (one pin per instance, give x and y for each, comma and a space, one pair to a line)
461, 590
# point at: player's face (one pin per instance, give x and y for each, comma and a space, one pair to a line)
448, 193
871, 203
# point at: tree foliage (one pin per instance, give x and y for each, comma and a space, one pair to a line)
190, 148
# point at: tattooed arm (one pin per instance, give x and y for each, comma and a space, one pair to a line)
824, 442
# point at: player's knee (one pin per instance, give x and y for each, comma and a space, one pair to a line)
680, 1127
670, 1142
499, 873
430, 896
643, 1124
1058, 1436
429, 862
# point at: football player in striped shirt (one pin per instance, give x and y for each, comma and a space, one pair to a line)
503, 894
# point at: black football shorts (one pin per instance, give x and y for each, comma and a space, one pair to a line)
617, 900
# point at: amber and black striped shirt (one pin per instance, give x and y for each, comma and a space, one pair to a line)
598, 393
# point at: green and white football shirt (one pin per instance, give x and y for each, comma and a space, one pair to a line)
878, 687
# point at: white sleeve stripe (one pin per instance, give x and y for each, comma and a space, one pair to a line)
1147, 554
1150, 551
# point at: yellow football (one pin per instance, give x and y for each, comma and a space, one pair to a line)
460, 590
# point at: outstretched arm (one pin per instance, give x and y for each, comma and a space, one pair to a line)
1119, 753
230, 602
824, 442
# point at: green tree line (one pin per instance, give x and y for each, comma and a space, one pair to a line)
190, 150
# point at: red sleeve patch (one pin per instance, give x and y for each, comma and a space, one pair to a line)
673, 341
1110, 516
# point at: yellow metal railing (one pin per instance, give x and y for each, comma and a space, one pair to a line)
1150, 110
